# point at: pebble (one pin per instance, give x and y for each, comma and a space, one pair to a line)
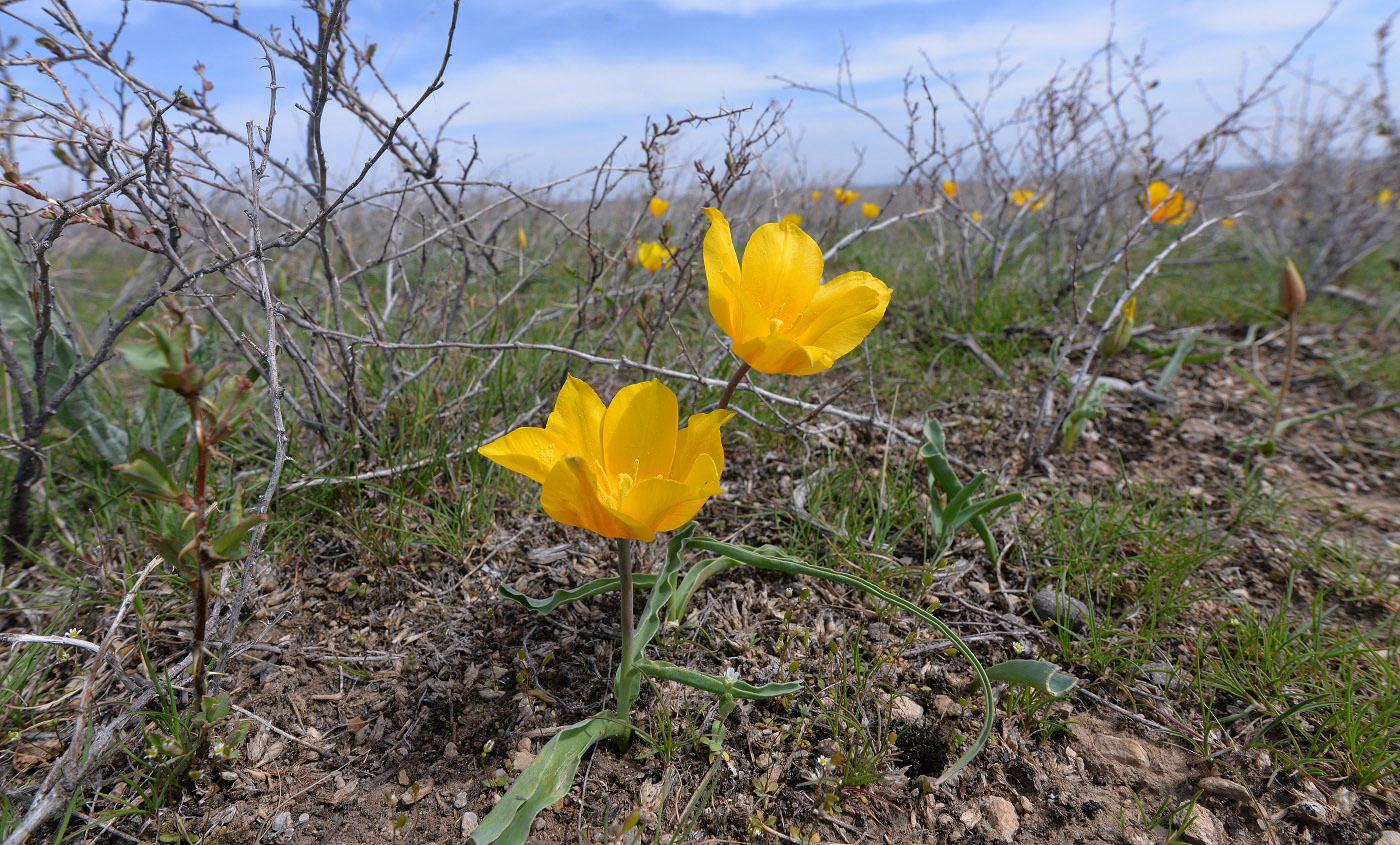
450, 750
282, 822
905, 710
1205, 828
1000, 816
1052, 605
459, 800
1120, 757
1197, 432
1161, 675
1226, 789
521, 760
946, 707
1103, 468
1389, 837
469, 824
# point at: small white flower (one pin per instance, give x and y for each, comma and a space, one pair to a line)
731, 676
73, 633
823, 761
1018, 647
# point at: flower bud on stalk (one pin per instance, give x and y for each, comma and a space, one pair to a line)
1292, 294
1117, 340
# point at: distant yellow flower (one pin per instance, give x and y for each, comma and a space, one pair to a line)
816, 196
653, 256
950, 188
621, 470
1228, 222
794, 219
520, 236
1023, 197
1165, 204
976, 217
1118, 339
870, 209
657, 206
774, 307
1385, 197
844, 196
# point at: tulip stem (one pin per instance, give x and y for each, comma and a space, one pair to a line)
732, 386
624, 566
1287, 372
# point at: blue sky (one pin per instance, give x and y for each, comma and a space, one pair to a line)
553, 84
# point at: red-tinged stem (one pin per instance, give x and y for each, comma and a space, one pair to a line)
732, 386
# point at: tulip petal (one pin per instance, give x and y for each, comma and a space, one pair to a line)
532, 452
699, 437
736, 312
639, 431
666, 504
570, 496
842, 313
782, 270
577, 420
779, 354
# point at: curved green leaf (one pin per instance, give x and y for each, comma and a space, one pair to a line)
667, 671
561, 597
545, 781
1039, 675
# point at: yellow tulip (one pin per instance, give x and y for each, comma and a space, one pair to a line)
794, 219
815, 196
950, 188
1385, 197
976, 217
652, 255
1165, 204
657, 206
520, 236
844, 196
622, 470
1228, 222
870, 210
1021, 196
774, 307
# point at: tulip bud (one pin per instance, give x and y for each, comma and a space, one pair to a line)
1291, 292
1117, 340
520, 236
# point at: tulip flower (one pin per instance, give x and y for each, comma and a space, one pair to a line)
815, 196
657, 206
1118, 339
950, 188
1228, 222
1165, 204
774, 307
1023, 197
870, 209
976, 217
652, 255
794, 219
844, 196
520, 236
1385, 197
621, 470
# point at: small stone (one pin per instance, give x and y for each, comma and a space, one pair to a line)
1161, 675
1000, 816
1119, 757
905, 710
1196, 432
1389, 837
1052, 605
282, 822
469, 824
1226, 789
1103, 468
303, 818
1309, 811
1205, 828
946, 707
450, 750
521, 760
459, 800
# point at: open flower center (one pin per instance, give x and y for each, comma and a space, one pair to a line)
624, 486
